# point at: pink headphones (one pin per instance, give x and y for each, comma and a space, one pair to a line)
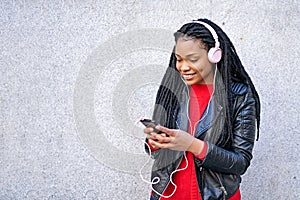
215, 53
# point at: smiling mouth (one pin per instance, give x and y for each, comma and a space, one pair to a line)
188, 76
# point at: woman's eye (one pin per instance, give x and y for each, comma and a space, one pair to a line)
193, 61
179, 60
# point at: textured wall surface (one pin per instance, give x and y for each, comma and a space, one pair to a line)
76, 75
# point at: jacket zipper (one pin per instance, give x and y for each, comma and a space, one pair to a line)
202, 182
219, 179
222, 187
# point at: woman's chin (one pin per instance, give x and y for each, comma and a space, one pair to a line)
190, 82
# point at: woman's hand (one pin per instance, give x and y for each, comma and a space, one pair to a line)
152, 136
174, 139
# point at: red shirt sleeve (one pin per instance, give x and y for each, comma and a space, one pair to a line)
202, 154
151, 147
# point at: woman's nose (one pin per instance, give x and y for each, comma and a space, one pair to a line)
185, 66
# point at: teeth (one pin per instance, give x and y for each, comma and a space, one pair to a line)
188, 76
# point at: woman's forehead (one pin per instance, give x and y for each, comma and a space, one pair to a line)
189, 47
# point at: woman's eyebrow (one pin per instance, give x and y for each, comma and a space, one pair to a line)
191, 54
187, 56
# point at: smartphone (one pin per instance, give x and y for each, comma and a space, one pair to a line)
151, 123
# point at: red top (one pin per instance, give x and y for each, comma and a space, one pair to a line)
186, 181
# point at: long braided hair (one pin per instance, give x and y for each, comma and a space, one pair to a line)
231, 70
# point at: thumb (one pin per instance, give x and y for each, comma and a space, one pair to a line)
166, 130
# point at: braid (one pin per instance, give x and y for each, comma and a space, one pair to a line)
167, 99
235, 69
230, 68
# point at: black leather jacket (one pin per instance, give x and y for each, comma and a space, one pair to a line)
219, 174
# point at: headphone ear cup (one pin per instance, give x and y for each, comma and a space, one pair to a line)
214, 55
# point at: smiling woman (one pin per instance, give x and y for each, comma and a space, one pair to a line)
192, 61
209, 113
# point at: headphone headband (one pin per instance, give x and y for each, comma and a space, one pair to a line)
211, 30
215, 53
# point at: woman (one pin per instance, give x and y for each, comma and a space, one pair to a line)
208, 111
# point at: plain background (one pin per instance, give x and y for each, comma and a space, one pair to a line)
45, 47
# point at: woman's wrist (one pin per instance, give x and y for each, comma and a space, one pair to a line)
196, 147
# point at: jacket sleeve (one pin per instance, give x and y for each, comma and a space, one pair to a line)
237, 159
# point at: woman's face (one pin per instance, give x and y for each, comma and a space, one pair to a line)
192, 61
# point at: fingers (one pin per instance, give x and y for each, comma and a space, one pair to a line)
174, 139
150, 134
164, 135
148, 130
160, 138
159, 145
170, 132
162, 128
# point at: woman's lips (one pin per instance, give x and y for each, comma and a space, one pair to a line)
188, 76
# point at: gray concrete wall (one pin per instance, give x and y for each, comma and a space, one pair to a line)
76, 75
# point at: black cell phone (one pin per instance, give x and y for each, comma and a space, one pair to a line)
151, 123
